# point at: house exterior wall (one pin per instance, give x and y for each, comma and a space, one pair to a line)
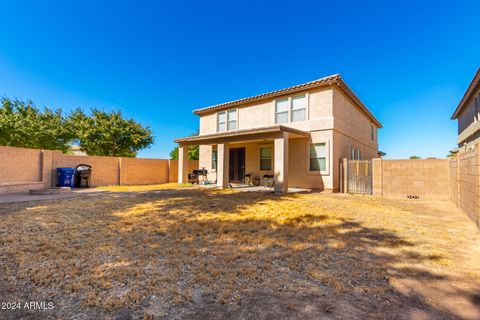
352, 129
298, 165
262, 114
352, 122
332, 118
468, 115
469, 122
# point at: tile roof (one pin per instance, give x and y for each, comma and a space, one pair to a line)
244, 132
474, 85
335, 79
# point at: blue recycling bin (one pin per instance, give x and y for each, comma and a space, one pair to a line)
65, 177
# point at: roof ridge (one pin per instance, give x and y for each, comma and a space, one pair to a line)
332, 77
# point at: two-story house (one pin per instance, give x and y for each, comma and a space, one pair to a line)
297, 134
468, 115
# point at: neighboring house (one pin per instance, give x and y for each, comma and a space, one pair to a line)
298, 134
468, 115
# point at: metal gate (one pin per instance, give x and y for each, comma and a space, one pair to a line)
359, 173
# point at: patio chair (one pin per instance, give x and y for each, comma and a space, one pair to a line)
247, 179
267, 180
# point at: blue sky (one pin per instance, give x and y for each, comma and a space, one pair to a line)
409, 61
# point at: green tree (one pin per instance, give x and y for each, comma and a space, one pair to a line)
452, 153
108, 133
415, 157
193, 151
24, 125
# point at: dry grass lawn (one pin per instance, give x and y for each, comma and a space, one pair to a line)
196, 254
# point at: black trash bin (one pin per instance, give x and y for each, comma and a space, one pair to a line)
83, 172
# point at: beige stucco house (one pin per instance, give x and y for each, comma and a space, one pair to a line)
468, 115
297, 134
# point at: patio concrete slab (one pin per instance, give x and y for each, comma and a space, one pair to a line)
25, 196
247, 188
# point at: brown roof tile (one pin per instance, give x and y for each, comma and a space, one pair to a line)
335, 79
474, 85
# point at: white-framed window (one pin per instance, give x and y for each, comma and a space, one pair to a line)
318, 157
353, 154
359, 154
281, 111
214, 160
266, 158
291, 109
221, 119
232, 119
227, 120
299, 109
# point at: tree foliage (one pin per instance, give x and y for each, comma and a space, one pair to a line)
98, 133
24, 125
108, 133
193, 151
415, 157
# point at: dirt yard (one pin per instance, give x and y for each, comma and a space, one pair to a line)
197, 254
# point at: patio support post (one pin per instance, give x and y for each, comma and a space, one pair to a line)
223, 153
281, 163
182, 164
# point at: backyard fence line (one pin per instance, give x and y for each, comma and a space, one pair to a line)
22, 169
465, 182
456, 179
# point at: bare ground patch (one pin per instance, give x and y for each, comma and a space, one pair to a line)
195, 254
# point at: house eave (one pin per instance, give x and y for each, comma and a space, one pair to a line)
333, 80
253, 133
474, 85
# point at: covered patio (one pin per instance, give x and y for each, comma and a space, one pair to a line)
224, 142
247, 188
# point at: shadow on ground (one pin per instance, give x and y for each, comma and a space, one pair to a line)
195, 254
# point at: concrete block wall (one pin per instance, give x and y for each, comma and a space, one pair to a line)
457, 179
454, 185
105, 170
377, 177
467, 183
143, 171
422, 178
18, 164
23, 169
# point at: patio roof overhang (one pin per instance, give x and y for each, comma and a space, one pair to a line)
262, 133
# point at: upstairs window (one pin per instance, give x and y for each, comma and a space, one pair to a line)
299, 108
281, 111
266, 158
221, 117
372, 132
227, 120
232, 120
318, 157
291, 110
